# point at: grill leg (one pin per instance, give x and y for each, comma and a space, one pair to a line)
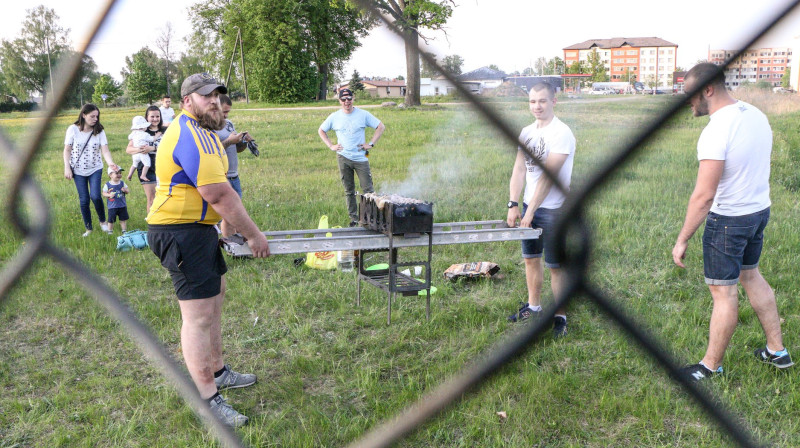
428, 305
358, 276
389, 311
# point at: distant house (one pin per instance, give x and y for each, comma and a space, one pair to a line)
382, 88
435, 86
482, 78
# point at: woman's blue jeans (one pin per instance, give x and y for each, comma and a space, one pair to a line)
89, 189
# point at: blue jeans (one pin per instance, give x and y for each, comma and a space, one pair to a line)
545, 219
236, 184
89, 189
732, 244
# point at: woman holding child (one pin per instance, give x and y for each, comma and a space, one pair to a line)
156, 129
85, 147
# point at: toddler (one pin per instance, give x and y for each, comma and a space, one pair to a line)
115, 190
140, 138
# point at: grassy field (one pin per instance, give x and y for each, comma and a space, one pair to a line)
329, 371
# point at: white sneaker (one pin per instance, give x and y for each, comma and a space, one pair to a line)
87, 233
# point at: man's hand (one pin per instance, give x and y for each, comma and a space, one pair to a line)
527, 219
513, 217
67, 172
679, 252
337, 147
259, 246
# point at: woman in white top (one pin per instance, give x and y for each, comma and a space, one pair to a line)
85, 147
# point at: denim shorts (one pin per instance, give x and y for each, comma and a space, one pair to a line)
545, 219
236, 184
732, 244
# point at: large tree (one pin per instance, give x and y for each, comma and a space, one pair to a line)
106, 85
26, 61
596, 66
165, 48
409, 16
82, 87
452, 64
143, 84
291, 48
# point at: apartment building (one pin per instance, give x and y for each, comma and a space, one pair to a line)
647, 59
753, 65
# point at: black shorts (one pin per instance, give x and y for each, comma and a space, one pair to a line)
191, 254
151, 173
121, 213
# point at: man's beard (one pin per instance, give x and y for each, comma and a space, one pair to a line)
210, 119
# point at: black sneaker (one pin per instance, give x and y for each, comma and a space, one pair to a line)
698, 372
780, 359
559, 327
353, 223
523, 313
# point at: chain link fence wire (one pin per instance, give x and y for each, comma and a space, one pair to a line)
572, 239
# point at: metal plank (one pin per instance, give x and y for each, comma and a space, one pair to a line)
358, 238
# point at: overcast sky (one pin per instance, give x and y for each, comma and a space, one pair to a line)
509, 33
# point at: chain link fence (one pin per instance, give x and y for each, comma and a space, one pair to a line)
573, 234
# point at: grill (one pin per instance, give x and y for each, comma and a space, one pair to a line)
396, 215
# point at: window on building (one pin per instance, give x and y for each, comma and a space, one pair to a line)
632, 52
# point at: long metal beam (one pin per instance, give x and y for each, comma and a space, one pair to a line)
359, 238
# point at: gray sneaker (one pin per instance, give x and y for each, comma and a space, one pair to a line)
225, 412
232, 380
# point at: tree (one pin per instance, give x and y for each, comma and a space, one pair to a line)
576, 68
629, 76
142, 81
355, 83
596, 67
528, 71
400, 78
540, 65
164, 45
106, 85
291, 48
409, 16
555, 66
27, 60
428, 70
786, 79
82, 87
493, 67
452, 64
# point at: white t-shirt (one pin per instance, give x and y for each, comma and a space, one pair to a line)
554, 138
167, 115
740, 135
90, 160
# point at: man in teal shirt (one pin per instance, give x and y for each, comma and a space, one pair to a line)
352, 150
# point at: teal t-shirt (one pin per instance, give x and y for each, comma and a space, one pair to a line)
350, 131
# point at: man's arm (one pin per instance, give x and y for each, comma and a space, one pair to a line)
377, 134
324, 136
553, 165
708, 176
226, 202
515, 186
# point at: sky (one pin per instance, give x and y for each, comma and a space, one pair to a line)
511, 34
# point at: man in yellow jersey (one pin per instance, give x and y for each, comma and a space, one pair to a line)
192, 195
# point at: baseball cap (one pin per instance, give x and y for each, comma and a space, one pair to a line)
112, 170
139, 122
202, 83
345, 92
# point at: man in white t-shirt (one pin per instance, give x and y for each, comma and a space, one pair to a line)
552, 143
167, 114
732, 197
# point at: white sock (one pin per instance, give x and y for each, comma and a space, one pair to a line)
536, 308
561, 315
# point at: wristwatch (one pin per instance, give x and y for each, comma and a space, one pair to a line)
371, 145
512, 204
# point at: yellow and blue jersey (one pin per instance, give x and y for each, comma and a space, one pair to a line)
188, 157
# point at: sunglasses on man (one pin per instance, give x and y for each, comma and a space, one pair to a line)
347, 98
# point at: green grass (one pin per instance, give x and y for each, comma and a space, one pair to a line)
329, 371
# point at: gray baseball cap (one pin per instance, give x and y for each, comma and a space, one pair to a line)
202, 83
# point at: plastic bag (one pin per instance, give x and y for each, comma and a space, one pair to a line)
133, 239
325, 261
476, 269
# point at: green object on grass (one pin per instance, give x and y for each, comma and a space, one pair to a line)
377, 267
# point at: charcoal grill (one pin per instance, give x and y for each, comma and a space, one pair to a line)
394, 215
